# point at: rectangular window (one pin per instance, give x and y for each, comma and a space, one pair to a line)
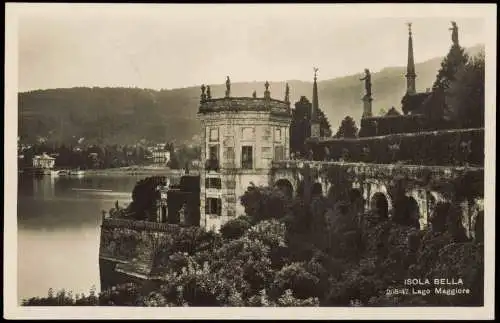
213, 152
228, 157
214, 134
229, 153
213, 183
247, 157
213, 206
279, 153
277, 134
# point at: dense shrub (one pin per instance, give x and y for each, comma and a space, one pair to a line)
235, 228
262, 203
144, 198
452, 147
352, 261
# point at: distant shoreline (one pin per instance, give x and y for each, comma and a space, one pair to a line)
132, 171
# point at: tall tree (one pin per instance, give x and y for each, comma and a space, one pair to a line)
465, 95
347, 128
300, 127
435, 107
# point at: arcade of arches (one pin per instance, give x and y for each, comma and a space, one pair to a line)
414, 205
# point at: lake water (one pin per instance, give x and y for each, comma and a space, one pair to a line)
58, 230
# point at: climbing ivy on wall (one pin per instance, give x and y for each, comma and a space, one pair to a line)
431, 148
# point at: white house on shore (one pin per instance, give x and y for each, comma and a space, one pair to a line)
161, 156
44, 161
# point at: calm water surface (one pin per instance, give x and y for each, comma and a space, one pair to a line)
58, 230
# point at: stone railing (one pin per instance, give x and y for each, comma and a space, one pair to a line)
138, 225
235, 104
388, 170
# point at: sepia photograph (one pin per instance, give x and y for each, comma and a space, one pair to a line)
249, 160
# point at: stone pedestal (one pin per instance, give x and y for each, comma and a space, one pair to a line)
315, 129
367, 106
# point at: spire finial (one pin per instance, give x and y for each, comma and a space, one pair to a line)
314, 123
410, 67
287, 93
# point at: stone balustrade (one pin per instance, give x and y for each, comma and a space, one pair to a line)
237, 104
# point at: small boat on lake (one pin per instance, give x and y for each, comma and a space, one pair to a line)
59, 173
68, 172
77, 172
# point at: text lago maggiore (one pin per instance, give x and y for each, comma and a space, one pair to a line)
426, 286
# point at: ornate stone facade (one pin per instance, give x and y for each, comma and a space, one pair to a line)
241, 137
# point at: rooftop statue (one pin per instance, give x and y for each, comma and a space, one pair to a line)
454, 33
203, 96
228, 87
209, 94
267, 94
254, 94
368, 82
287, 93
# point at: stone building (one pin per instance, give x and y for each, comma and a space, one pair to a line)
161, 155
43, 161
241, 136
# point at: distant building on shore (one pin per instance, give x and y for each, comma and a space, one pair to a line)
160, 155
44, 161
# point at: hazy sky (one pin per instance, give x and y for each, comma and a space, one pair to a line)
171, 46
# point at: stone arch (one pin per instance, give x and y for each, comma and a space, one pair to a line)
448, 217
379, 202
285, 186
414, 212
317, 189
375, 188
407, 212
438, 216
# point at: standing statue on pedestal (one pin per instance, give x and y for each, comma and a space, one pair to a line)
368, 83
203, 95
454, 33
228, 87
209, 94
267, 94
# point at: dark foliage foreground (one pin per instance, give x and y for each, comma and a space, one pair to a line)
286, 252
